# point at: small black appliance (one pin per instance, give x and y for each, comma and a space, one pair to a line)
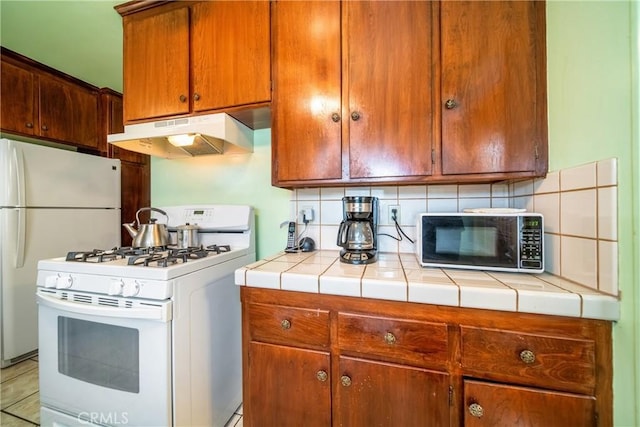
357, 234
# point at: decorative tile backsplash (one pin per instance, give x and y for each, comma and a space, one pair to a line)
579, 205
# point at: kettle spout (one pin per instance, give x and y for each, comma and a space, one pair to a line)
130, 229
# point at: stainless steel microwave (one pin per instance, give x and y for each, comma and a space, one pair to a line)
482, 241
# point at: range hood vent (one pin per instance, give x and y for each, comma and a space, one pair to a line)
211, 134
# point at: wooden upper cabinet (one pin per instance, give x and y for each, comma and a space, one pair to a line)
306, 109
352, 91
191, 57
41, 102
156, 63
389, 88
18, 100
493, 87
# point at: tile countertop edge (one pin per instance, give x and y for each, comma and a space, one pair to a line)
440, 289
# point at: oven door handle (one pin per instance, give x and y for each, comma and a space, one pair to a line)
161, 312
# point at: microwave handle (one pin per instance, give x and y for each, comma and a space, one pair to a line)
152, 313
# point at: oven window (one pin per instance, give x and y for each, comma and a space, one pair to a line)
99, 353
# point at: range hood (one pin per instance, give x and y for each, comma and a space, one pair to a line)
186, 137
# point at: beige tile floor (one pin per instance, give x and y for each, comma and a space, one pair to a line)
20, 399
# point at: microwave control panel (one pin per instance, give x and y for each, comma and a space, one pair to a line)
531, 242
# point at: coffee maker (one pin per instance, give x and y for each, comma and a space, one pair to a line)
358, 231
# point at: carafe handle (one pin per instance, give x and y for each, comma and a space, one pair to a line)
342, 234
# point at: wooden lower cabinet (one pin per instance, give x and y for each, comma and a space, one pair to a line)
325, 360
494, 405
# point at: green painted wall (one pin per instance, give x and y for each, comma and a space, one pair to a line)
241, 179
592, 62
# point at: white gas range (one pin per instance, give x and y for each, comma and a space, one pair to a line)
146, 336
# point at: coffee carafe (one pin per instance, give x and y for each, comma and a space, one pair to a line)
357, 234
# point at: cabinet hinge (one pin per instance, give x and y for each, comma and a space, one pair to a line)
450, 395
433, 156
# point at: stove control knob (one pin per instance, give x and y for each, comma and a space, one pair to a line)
50, 281
130, 289
64, 282
115, 287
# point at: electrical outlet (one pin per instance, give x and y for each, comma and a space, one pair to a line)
306, 214
394, 211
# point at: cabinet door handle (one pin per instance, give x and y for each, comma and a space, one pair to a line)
355, 116
196, 96
285, 324
29, 125
322, 376
183, 98
527, 356
335, 117
476, 410
450, 104
345, 380
45, 128
389, 338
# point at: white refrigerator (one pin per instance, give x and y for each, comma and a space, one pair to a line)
52, 201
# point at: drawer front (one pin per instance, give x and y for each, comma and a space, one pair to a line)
289, 325
405, 341
509, 356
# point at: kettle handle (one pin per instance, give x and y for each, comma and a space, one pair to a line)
150, 209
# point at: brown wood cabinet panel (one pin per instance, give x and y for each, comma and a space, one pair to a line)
389, 88
306, 113
411, 342
558, 363
498, 405
375, 394
135, 194
18, 100
156, 63
230, 53
85, 117
285, 387
289, 325
493, 87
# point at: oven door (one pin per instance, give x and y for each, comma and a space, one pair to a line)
105, 360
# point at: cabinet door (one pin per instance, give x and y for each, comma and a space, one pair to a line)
390, 88
156, 63
286, 387
135, 194
306, 108
84, 112
56, 109
230, 54
381, 394
493, 87
495, 405
18, 101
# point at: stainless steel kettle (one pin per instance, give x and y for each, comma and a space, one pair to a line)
148, 235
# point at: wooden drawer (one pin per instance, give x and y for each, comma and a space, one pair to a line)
289, 325
406, 341
545, 361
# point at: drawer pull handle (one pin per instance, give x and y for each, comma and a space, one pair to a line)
345, 380
527, 356
450, 104
355, 116
476, 410
183, 98
322, 376
389, 338
285, 324
196, 96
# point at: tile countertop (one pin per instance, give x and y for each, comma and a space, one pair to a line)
400, 277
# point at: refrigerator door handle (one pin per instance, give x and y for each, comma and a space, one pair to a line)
21, 236
18, 168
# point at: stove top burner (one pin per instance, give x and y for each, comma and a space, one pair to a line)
161, 256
